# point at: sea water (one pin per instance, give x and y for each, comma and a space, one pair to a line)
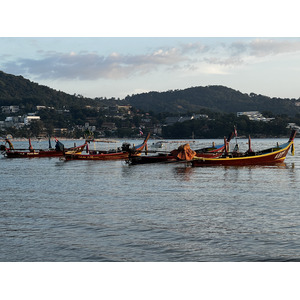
53, 210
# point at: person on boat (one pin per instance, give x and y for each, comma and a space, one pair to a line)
249, 151
236, 150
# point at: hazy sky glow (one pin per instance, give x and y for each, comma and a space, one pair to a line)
116, 67
118, 48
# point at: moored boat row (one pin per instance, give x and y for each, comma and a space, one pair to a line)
183, 153
208, 156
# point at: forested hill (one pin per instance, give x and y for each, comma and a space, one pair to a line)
16, 90
216, 98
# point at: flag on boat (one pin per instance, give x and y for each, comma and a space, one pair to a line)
235, 131
141, 132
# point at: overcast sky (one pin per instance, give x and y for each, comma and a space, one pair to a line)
108, 65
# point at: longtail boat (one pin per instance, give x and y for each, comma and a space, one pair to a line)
183, 153
58, 151
215, 150
115, 154
268, 156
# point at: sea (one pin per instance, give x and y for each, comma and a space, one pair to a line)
53, 210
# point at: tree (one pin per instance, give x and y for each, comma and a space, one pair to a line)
36, 128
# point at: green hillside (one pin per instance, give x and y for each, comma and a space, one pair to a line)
73, 112
16, 90
215, 98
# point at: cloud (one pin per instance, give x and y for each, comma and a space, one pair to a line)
250, 51
89, 66
196, 47
227, 61
264, 47
185, 57
92, 66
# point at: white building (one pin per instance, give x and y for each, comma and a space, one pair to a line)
254, 116
28, 119
10, 109
293, 126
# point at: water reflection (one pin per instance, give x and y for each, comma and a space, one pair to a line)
183, 172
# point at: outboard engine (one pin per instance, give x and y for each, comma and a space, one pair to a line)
125, 147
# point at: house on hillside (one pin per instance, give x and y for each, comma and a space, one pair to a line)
172, 120
10, 109
108, 126
254, 116
293, 126
126, 109
29, 119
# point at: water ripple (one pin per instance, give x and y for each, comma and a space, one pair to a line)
52, 210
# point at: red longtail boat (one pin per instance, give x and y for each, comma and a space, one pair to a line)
116, 154
58, 151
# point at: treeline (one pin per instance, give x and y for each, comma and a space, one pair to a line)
219, 124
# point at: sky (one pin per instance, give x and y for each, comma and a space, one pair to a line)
88, 51
121, 66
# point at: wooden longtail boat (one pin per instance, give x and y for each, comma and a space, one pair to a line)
268, 156
180, 154
117, 154
214, 151
31, 153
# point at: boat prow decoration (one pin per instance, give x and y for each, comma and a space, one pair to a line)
141, 147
